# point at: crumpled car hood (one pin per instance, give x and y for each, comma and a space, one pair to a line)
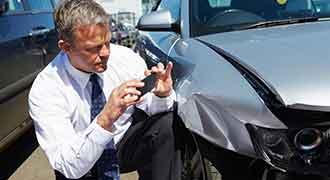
293, 59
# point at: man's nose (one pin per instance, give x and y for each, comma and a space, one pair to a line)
105, 50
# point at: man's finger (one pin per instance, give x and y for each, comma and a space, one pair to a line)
154, 69
130, 91
169, 68
147, 72
133, 83
139, 100
160, 65
130, 99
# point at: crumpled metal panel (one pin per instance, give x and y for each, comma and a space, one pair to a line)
215, 101
210, 118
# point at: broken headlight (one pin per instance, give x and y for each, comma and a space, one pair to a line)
272, 145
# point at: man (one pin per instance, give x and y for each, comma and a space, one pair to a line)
85, 107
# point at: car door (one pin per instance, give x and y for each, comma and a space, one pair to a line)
23, 52
42, 28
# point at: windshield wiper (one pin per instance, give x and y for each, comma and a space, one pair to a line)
278, 22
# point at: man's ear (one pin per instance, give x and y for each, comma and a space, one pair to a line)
64, 45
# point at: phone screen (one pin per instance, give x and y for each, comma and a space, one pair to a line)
149, 84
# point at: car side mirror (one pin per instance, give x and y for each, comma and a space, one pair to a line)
157, 21
4, 6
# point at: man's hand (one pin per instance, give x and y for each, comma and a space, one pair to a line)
164, 83
120, 99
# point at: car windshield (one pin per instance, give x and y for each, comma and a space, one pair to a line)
212, 16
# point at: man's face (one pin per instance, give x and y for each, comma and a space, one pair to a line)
90, 49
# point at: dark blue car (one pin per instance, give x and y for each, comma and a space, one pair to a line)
27, 44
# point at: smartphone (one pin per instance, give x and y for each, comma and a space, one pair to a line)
149, 84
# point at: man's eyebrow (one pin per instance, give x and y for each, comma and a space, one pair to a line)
94, 45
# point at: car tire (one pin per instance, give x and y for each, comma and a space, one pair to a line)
192, 164
211, 172
224, 164
195, 166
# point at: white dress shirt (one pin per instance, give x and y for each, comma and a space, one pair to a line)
60, 100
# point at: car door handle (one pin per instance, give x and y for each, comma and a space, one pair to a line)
38, 31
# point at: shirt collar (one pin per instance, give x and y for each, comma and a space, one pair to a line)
80, 77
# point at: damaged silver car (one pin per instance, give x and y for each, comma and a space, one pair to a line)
253, 84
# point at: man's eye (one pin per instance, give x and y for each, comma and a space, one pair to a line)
94, 49
98, 48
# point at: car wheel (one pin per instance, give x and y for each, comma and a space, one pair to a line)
192, 166
220, 163
195, 166
211, 172
199, 168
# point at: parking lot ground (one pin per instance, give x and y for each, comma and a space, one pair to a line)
17, 153
36, 167
24, 160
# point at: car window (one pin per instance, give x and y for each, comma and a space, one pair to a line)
57, 1
173, 6
219, 3
322, 7
39, 4
214, 16
15, 5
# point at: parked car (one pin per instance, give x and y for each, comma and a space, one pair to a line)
132, 34
118, 34
27, 44
123, 33
252, 81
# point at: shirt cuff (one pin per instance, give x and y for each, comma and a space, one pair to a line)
99, 135
164, 103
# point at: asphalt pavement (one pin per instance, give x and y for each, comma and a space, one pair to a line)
24, 160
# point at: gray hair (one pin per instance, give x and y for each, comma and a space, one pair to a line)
70, 14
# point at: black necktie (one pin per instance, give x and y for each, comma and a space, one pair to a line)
107, 165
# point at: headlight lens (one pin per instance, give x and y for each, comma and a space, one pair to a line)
273, 145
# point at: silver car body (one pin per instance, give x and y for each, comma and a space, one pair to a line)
274, 77
297, 71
